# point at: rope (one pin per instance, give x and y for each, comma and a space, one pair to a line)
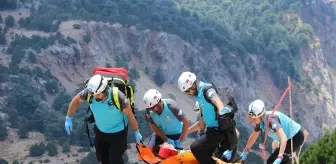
269, 118
290, 110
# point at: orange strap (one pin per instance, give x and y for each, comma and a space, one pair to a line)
145, 154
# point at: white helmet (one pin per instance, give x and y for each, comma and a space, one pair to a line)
151, 98
97, 84
196, 107
186, 80
256, 108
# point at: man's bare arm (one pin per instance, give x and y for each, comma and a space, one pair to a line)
218, 103
184, 128
158, 132
73, 106
131, 118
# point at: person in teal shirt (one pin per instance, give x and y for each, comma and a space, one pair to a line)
217, 117
281, 128
111, 124
166, 119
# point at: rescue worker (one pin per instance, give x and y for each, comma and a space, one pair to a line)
166, 119
213, 111
111, 123
279, 130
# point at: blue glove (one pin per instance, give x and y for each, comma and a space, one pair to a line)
68, 124
170, 141
138, 136
227, 154
224, 111
243, 155
277, 161
178, 144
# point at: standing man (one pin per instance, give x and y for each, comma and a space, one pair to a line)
279, 130
218, 119
111, 123
166, 120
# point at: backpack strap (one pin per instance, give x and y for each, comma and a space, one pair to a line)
205, 89
115, 97
89, 98
116, 102
131, 96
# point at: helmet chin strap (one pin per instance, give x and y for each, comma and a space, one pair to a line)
196, 88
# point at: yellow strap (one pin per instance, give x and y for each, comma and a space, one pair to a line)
110, 78
115, 92
88, 97
132, 98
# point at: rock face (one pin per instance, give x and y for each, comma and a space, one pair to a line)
312, 99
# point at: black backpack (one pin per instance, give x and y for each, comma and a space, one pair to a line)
229, 100
226, 121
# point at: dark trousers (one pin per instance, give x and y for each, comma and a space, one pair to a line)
229, 142
297, 142
204, 147
159, 141
110, 147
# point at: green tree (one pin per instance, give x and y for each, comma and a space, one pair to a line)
21, 22
159, 77
23, 131
76, 26
31, 57
322, 151
66, 147
8, 4
87, 37
3, 131
61, 101
52, 149
16, 162
4, 73
134, 74
9, 21
37, 150
52, 87
2, 38
3, 161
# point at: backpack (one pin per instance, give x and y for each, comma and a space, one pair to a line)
228, 98
225, 121
118, 80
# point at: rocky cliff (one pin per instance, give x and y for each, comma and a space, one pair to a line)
148, 50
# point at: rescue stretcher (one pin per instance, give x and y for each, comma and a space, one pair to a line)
168, 155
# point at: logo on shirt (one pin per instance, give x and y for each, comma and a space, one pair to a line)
273, 128
167, 118
179, 113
